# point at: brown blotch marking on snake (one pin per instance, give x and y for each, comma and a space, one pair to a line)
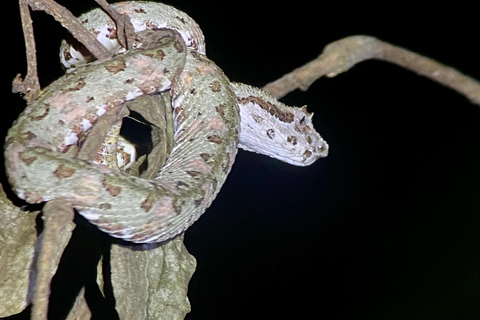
194, 173
301, 127
179, 46
149, 88
105, 206
113, 190
150, 25
205, 156
79, 85
157, 54
271, 133
215, 86
309, 140
283, 116
215, 139
198, 202
180, 19
177, 206
292, 140
179, 114
63, 171
90, 99
66, 54
112, 33
307, 154
40, 117
29, 135
181, 184
147, 204
64, 149
139, 11
221, 109
78, 130
27, 160
116, 66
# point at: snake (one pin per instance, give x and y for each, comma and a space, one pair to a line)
213, 117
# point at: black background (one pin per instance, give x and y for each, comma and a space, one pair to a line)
387, 226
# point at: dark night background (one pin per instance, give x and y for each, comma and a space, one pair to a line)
387, 226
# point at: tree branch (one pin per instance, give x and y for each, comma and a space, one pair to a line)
341, 55
71, 23
31, 85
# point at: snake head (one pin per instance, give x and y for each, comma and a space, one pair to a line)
272, 128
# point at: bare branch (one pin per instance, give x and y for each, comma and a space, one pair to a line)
341, 55
71, 23
31, 85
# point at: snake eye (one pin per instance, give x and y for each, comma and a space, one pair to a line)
302, 121
301, 125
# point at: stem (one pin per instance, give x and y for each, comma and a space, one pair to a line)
72, 24
31, 85
341, 55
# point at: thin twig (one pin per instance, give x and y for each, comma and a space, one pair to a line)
341, 55
125, 29
31, 85
72, 24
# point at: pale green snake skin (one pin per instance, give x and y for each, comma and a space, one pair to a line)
212, 118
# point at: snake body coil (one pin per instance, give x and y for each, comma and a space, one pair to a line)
212, 118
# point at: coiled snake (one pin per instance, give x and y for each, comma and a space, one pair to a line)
212, 118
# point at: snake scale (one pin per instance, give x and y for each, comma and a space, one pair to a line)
212, 118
